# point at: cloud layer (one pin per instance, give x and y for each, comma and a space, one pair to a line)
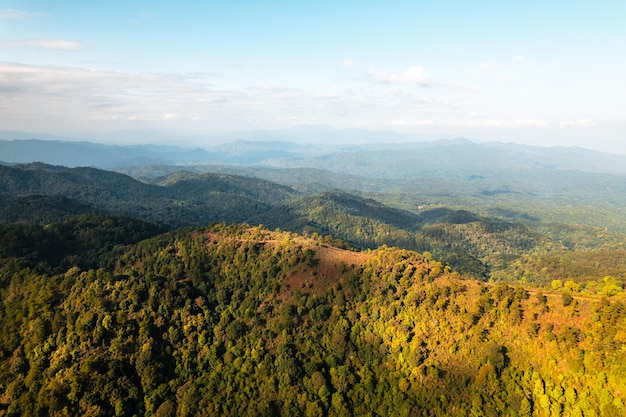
12, 14
413, 75
56, 97
578, 123
55, 44
59, 98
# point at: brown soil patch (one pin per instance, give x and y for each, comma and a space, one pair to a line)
333, 263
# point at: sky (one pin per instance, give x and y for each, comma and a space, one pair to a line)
537, 72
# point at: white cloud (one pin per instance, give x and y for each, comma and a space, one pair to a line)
503, 123
578, 123
61, 94
529, 123
12, 14
518, 58
54, 44
67, 98
349, 63
404, 123
490, 66
483, 123
413, 75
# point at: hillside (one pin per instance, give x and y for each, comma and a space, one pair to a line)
185, 185
85, 241
499, 244
39, 209
233, 320
180, 200
344, 215
468, 243
553, 185
511, 191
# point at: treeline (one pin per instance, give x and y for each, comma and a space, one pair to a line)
234, 320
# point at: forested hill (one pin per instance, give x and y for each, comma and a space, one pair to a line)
180, 200
234, 320
40, 209
517, 247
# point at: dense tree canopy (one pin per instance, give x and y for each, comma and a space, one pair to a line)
238, 320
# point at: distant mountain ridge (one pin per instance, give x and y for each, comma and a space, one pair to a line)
392, 160
453, 158
74, 154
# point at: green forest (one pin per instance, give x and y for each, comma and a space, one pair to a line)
195, 294
104, 316
509, 237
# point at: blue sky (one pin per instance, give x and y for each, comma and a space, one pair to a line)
534, 72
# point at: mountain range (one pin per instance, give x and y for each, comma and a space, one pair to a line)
346, 152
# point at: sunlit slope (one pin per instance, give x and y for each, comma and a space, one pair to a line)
234, 320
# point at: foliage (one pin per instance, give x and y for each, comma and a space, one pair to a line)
179, 201
39, 209
514, 239
238, 320
578, 270
86, 241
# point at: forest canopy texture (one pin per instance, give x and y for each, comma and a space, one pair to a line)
239, 320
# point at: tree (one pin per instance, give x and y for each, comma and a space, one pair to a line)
556, 284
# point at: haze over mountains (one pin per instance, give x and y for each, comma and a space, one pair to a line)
455, 173
382, 152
